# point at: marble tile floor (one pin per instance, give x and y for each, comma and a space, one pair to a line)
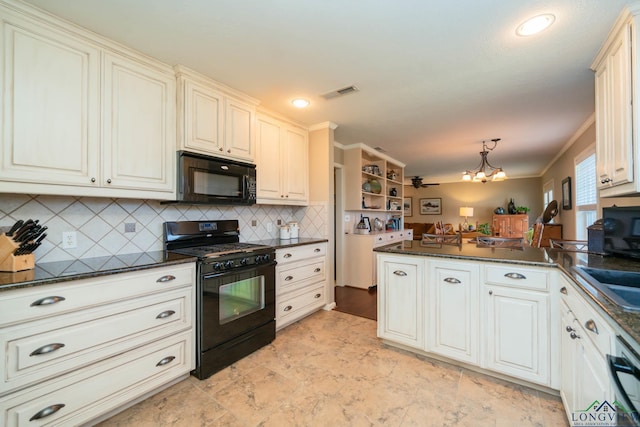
329, 369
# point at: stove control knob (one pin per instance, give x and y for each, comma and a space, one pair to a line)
217, 266
266, 258
258, 259
228, 264
244, 261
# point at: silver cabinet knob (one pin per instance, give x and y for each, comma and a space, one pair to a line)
109, 181
93, 180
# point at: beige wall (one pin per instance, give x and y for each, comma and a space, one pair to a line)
483, 198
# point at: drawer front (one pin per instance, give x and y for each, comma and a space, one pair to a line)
92, 391
28, 304
300, 302
408, 234
295, 275
379, 240
517, 277
296, 253
594, 325
394, 237
51, 347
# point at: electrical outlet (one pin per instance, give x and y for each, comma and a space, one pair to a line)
279, 222
129, 227
254, 222
347, 218
269, 227
69, 240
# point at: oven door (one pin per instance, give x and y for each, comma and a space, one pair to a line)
624, 370
235, 302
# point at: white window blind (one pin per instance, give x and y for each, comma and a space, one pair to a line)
586, 182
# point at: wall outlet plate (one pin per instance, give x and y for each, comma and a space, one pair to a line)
69, 240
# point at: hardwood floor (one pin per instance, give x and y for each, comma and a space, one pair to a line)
356, 301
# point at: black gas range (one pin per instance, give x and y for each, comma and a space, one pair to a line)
235, 298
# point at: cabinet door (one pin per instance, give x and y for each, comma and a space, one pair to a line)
138, 126
268, 161
202, 120
602, 119
400, 300
517, 333
238, 133
569, 367
454, 311
592, 380
501, 226
296, 165
51, 106
519, 226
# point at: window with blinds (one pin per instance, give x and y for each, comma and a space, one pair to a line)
586, 192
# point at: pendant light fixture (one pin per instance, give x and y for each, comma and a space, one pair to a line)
485, 170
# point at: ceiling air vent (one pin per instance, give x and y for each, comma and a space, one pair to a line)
340, 92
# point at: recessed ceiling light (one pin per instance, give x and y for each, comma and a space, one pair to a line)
535, 25
300, 103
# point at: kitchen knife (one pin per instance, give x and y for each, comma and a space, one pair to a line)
15, 227
32, 234
25, 227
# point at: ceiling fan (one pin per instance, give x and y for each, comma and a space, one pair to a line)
416, 181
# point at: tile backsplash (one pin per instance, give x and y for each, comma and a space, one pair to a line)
100, 222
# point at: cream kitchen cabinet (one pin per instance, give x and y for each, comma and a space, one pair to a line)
214, 119
616, 68
74, 351
83, 115
301, 282
361, 266
401, 308
282, 163
453, 310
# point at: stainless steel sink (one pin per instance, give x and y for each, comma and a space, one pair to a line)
621, 287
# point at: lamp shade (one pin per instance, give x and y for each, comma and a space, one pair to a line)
466, 212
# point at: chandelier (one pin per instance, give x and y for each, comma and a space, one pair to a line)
485, 170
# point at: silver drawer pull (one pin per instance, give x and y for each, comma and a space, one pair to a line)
166, 278
563, 290
399, 273
49, 410
317, 295
166, 360
47, 301
49, 348
452, 280
591, 325
288, 308
287, 255
316, 250
165, 314
515, 276
288, 278
317, 270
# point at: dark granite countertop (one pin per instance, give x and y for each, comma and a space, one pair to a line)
287, 243
524, 255
53, 272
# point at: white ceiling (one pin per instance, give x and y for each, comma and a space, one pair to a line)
435, 77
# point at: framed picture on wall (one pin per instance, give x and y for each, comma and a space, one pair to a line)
431, 206
406, 204
566, 193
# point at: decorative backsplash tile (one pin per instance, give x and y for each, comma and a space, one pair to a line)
100, 222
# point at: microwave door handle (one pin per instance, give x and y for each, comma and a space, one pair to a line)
620, 364
245, 186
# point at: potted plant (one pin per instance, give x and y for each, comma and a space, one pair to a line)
522, 210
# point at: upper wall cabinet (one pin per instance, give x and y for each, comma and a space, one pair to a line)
282, 163
615, 69
82, 115
214, 119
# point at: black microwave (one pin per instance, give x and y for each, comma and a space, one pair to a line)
621, 227
212, 180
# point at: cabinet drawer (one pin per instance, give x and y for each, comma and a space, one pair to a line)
300, 303
296, 253
50, 347
92, 391
379, 240
394, 237
29, 304
518, 277
299, 274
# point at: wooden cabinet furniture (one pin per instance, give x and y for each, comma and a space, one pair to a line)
453, 310
616, 70
586, 339
83, 115
370, 178
361, 267
282, 162
550, 231
499, 317
72, 352
510, 225
301, 279
214, 119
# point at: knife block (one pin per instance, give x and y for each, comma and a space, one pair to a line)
9, 261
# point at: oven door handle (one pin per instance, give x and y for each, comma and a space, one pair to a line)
621, 364
238, 270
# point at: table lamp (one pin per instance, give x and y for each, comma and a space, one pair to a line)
466, 212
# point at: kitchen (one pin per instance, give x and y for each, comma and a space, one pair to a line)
103, 219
